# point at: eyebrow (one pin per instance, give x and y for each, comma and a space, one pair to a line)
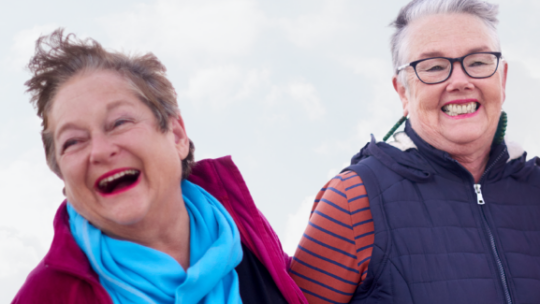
115, 104
65, 127
439, 54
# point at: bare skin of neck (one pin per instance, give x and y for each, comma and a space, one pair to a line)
473, 156
165, 228
474, 163
173, 239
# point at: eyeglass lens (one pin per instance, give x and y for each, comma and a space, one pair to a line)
438, 69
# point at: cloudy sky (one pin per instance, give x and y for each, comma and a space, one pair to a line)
291, 89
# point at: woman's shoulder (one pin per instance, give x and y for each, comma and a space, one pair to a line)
344, 185
340, 200
47, 285
342, 181
64, 275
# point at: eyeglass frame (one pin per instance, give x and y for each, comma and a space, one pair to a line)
413, 64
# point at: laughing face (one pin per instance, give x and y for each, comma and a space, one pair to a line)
118, 167
461, 111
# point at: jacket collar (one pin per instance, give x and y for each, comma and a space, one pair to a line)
504, 159
413, 158
441, 160
65, 254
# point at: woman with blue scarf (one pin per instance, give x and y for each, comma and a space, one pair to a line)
142, 223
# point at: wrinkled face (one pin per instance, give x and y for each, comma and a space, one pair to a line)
117, 166
461, 110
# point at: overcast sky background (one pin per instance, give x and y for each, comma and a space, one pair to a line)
291, 89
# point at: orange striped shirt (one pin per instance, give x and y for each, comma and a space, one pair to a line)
333, 255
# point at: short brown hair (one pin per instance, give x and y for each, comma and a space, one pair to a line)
60, 57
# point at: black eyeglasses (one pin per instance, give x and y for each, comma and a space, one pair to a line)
438, 69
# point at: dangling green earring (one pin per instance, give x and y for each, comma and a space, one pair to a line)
501, 129
394, 128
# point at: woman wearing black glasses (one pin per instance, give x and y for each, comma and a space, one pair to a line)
448, 211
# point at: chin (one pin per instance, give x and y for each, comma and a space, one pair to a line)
128, 215
464, 132
465, 137
117, 215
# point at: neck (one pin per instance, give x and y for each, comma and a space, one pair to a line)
474, 163
473, 156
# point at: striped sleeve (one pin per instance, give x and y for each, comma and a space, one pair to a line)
334, 252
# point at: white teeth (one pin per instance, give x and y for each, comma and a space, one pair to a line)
109, 179
459, 109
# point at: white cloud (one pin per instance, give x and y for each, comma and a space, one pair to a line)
30, 196
223, 85
335, 171
301, 92
373, 68
182, 28
384, 104
16, 255
313, 29
296, 225
23, 45
380, 109
306, 94
528, 59
275, 96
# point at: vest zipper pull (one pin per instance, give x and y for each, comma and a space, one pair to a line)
479, 197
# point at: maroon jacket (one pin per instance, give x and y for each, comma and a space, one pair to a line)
65, 275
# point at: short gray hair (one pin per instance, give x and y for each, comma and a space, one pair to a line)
416, 9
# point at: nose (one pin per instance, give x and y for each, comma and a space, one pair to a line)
103, 150
459, 80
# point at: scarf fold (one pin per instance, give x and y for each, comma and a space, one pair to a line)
132, 273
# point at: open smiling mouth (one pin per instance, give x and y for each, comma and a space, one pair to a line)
455, 109
118, 182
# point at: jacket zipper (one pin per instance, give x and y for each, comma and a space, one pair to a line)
481, 202
479, 197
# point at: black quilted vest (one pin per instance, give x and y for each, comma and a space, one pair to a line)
435, 242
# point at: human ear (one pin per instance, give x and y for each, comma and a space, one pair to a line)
504, 73
402, 92
181, 140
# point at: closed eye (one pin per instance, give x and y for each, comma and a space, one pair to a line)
119, 122
69, 143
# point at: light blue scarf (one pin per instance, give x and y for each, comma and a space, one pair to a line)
132, 273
